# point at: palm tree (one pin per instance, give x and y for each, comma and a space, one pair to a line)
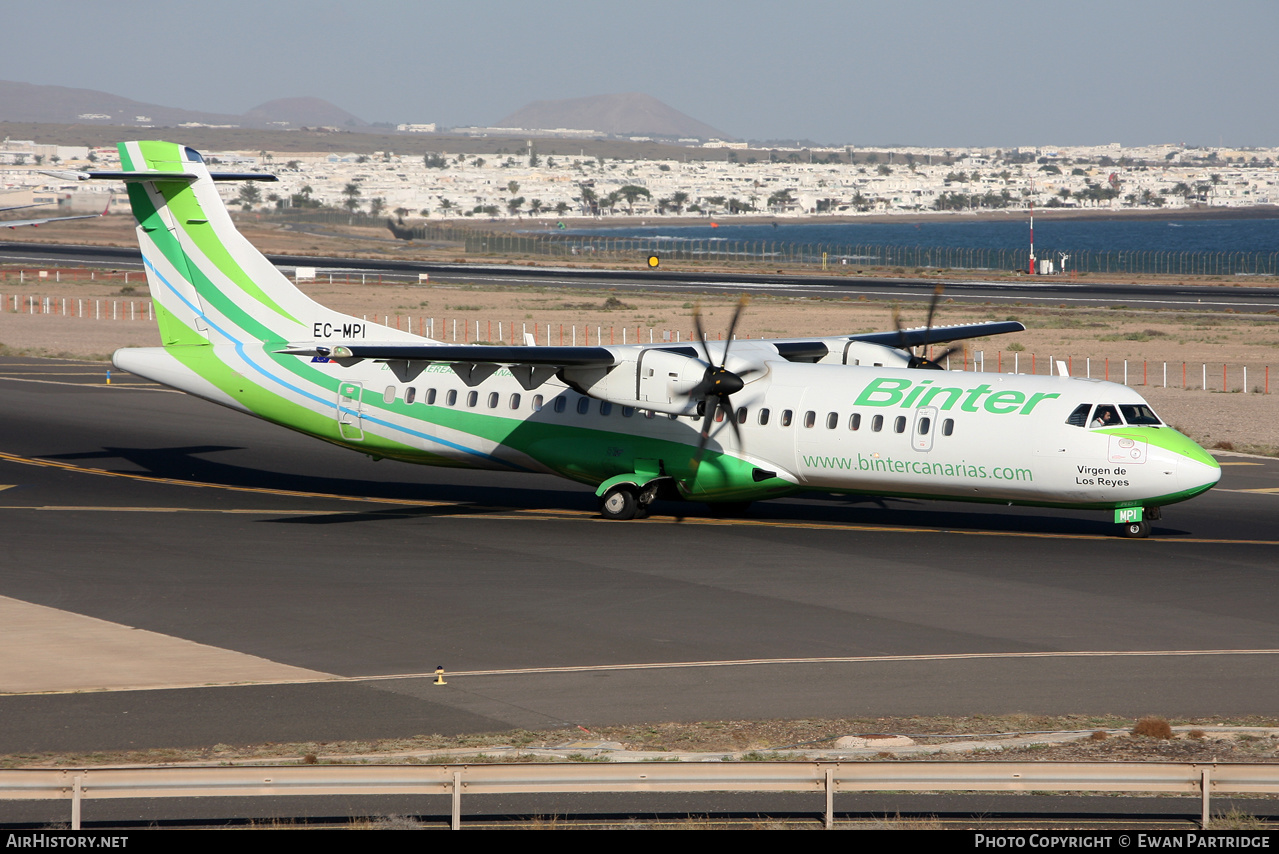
780, 199
250, 195
631, 192
352, 193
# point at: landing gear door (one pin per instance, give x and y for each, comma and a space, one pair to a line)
921, 435
349, 412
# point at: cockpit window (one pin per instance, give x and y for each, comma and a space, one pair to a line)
1079, 418
1139, 414
1105, 416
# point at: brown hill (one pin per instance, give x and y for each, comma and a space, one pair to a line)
304, 112
30, 102
630, 114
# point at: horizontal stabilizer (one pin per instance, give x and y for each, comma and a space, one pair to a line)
157, 175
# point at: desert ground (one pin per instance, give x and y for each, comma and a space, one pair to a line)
1095, 342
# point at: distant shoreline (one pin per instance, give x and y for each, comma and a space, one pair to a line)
573, 223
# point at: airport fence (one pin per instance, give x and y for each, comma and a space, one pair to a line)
823, 780
1240, 377
859, 256
823, 255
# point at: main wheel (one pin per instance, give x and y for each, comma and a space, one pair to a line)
1136, 530
619, 503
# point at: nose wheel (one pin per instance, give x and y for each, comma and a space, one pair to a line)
1136, 530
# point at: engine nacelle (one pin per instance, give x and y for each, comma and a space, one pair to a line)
662, 380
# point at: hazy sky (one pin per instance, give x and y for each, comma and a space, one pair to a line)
983, 72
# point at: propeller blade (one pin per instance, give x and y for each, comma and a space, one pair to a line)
901, 330
932, 308
732, 325
701, 333
731, 415
718, 385
705, 436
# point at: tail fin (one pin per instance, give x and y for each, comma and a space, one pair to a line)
210, 284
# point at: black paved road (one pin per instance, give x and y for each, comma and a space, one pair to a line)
543, 614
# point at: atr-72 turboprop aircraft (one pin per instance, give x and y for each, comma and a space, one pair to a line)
766, 418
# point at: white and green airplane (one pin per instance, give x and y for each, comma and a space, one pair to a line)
727, 426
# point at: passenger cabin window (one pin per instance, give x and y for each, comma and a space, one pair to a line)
855, 421
787, 415
741, 415
388, 396
515, 401
561, 403
493, 398
583, 405
606, 408
472, 398
924, 424
451, 398
410, 395
763, 417
537, 402
899, 425
430, 397
628, 411
948, 427
877, 423
832, 420
810, 418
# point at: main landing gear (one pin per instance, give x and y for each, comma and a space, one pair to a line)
624, 502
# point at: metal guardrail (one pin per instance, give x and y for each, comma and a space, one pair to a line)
819, 777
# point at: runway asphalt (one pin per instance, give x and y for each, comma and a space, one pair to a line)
175, 574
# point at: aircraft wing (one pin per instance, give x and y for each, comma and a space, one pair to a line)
558, 357
940, 334
795, 350
14, 223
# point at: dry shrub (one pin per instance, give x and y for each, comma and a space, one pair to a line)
1099, 735
1196, 734
1224, 445
1153, 728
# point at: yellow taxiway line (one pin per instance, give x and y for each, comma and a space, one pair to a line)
482, 511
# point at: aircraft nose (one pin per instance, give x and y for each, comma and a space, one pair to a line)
1194, 476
